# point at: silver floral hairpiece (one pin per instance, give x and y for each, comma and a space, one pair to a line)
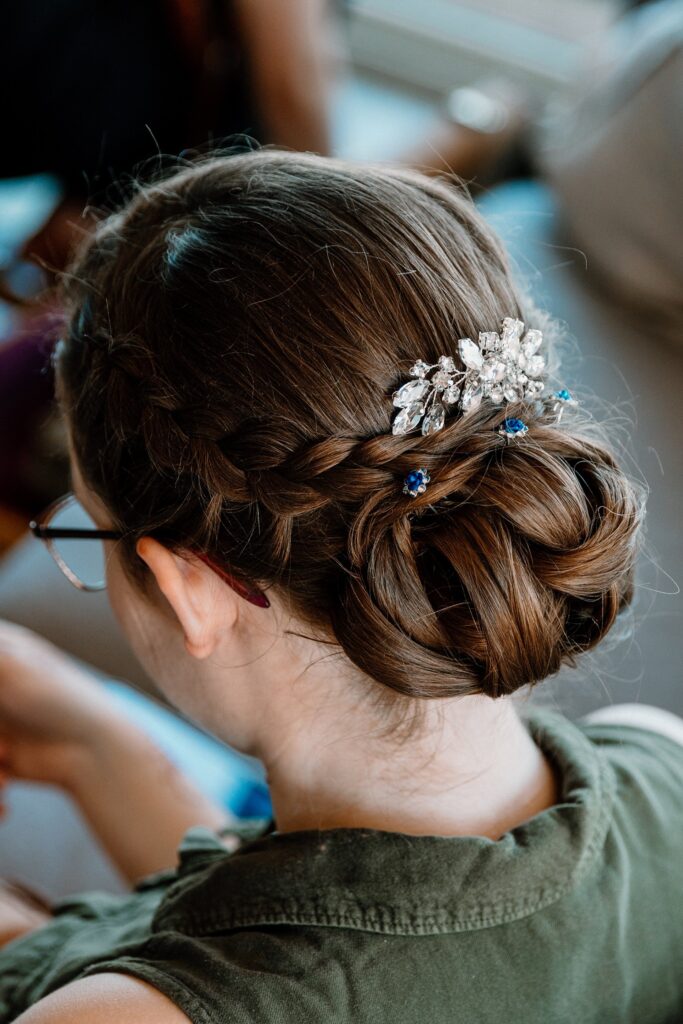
502, 367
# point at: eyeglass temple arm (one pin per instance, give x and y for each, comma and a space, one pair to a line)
256, 597
60, 533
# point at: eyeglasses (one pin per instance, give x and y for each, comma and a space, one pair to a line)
65, 524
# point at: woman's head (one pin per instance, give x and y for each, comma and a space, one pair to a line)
235, 336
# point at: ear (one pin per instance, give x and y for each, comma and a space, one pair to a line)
205, 606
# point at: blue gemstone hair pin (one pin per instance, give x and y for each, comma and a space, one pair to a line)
512, 427
416, 482
561, 398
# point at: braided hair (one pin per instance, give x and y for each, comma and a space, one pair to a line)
234, 337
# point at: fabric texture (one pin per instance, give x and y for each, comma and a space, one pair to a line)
574, 915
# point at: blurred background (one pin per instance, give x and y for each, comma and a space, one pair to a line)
564, 116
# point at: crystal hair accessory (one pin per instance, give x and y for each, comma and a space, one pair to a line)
501, 367
416, 482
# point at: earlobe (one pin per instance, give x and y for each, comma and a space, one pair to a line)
198, 651
190, 590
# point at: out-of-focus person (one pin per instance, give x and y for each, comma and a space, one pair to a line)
95, 88
98, 87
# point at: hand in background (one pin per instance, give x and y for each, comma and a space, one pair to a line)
59, 725
51, 711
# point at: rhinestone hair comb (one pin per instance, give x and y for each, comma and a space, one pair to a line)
501, 367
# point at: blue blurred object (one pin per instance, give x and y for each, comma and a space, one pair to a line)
231, 779
25, 204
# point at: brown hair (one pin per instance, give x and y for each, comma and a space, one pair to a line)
235, 335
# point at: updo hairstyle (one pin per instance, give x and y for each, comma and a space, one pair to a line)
234, 337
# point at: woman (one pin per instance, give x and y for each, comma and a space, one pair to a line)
353, 589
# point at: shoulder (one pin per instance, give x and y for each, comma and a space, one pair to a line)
643, 746
644, 717
104, 999
640, 736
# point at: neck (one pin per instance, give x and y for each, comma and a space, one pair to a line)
474, 770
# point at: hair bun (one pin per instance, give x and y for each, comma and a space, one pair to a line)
516, 560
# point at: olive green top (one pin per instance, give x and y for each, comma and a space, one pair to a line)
574, 916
